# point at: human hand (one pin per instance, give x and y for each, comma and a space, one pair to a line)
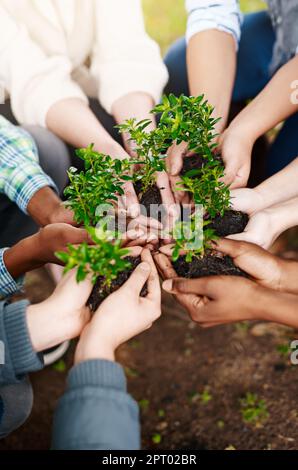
262, 229
45, 207
123, 314
247, 200
211, 301
174, 163
236, 149
62, 316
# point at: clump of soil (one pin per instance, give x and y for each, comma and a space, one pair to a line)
196, 162
232, 222
100, 291
209, 265
149, 197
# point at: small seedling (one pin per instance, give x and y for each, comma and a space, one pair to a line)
188, 119
284, 350
59, 366
156, 438
105, 259
150, 150
144, 404
99, 184
253, 410
161, 413
190, 241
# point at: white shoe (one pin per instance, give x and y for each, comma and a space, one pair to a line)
54, 354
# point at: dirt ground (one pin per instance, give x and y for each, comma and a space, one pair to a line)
189, 383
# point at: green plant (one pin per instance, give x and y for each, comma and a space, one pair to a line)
207, 189
190, 241
105, 258
188, 119
149, 147
253, 409
100, 183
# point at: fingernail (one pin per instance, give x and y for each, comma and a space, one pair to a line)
145, 267
168, 285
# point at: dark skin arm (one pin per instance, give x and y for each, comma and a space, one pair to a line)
45, 207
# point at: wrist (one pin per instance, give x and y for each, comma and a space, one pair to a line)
22, 257
93, 346
241, 129
43, 205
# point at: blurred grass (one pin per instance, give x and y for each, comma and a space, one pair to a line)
166, 19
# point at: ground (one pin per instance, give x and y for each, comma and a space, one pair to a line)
190, 382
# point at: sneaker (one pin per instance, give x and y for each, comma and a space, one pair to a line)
54, 354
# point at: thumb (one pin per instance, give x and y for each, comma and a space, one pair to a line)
201, 286
138, 278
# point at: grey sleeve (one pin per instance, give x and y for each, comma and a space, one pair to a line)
17, 356
96, 412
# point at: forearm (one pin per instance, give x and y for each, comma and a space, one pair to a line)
211, 55
289, 269
280, 187
73, 121
42, 206
22, 257
279, 307
284, 216
271, 106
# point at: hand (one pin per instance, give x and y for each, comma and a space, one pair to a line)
45, 207
174, 162
167, 271
262, 229
212, 300
62, 316
236, 151
123, 314
247, 200
56, 237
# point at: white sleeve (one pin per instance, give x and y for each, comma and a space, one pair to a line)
224, 15
34, 81
125, 59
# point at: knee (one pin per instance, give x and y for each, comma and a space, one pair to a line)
16, 406
175, 60
53, 154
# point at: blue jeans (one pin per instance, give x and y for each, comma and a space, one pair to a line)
254, 57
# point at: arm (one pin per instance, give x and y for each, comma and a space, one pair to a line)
96, 411
270, 107
212, 35
35, 251
22, 179
278, 188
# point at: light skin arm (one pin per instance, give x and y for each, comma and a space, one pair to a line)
270, 107
211, 55
278, 188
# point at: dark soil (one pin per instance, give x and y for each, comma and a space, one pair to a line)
149, 197
100, 291
196, 162
232, 222
210, 265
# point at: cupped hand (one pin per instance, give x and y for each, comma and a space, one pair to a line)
236, 152
220, 299
123, 314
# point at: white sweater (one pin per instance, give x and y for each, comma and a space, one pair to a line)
56, 49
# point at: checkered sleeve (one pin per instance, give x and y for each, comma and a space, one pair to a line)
8, 285
20, 173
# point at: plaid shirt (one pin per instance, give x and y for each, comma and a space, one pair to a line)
20, 178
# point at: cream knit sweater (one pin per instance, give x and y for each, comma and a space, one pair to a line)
56, 49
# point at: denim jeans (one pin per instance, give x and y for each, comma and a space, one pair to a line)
254, 58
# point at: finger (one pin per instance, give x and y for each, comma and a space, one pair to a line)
138, 278
130, 199
167, 250
135, 251
244, 236
180, 196
70, 286
164, 266
144, 221
204, 286
174, 160
153, 285
231, 247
